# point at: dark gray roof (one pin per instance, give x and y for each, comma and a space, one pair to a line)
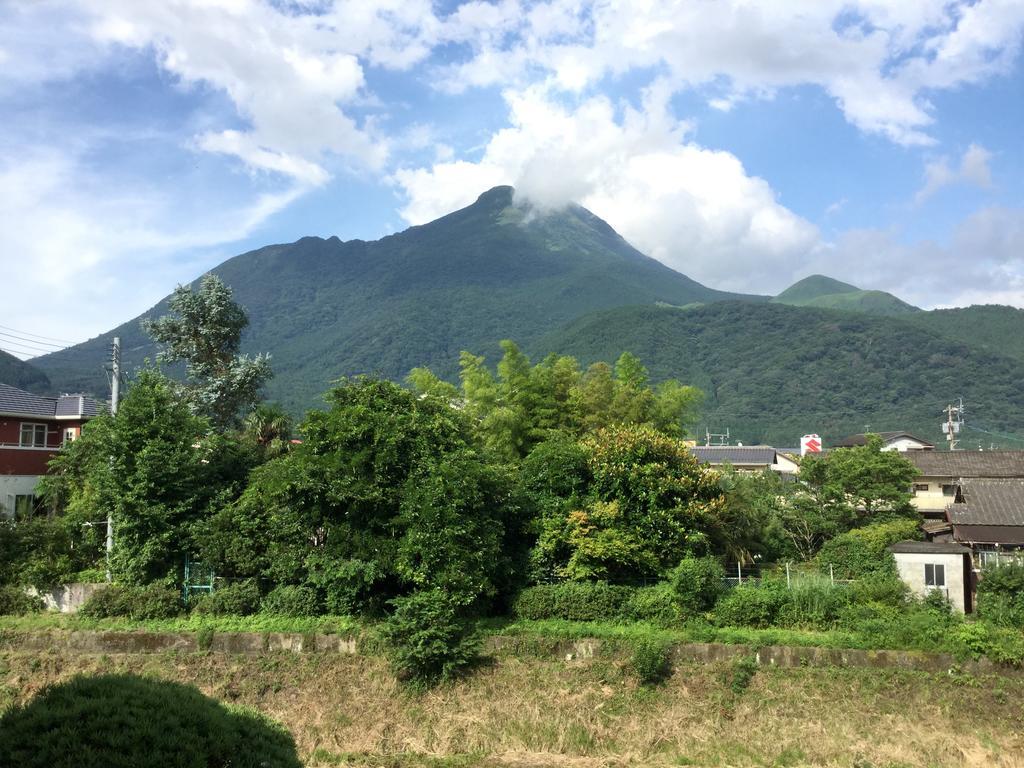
929, 548
989, 502
761, 455
955, 464
18, 402
862, 439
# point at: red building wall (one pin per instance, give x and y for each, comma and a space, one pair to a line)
29, 461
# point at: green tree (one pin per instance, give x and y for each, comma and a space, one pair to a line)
268, 428
385, 494
156, 469
646, 504
204, 330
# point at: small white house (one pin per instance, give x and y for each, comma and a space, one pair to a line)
937, 566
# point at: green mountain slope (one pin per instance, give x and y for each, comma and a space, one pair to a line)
773, 372
988, 328
825, 293
18, 373
327, 308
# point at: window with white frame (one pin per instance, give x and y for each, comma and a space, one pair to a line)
33, 435
70, 434
934, 575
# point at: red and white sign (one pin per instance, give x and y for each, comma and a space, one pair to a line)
810, 444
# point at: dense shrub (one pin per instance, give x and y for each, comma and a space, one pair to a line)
863, 551
240, 598
880, 587
697, 583
105, 603
290, 600
1001, 596
427, 641
813, 601
122, 721
751, 605
572, 601
651, 661
14, 601
154, 601
656, 604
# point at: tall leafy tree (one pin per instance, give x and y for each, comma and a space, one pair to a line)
157, 469
204, 329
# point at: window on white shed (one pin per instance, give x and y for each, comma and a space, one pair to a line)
934, 575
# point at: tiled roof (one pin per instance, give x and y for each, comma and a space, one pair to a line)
968, 463
929, 548
18, 402
763, 455
989, 502
887, 437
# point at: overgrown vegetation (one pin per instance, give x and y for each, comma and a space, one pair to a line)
543, 491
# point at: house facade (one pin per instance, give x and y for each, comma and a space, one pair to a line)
942, 472
32, 429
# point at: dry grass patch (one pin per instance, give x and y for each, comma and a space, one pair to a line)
525, 712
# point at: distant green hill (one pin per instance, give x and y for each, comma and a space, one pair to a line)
825, 293
988, 328
774, 372
18, 373
493, 270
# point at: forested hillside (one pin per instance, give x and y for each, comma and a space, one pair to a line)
773, 373
20, 374
989, 328
327, 308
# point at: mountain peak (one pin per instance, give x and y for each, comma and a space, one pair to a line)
497, 196
813, 286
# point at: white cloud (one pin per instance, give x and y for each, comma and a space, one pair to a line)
980, 264
877, 58
974, 169
695, 209
71, 240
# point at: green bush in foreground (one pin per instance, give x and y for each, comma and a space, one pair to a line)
122, 721
651, 660
427, 641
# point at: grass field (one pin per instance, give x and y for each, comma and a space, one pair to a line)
527, 711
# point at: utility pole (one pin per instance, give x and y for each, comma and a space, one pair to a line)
115, 379
115, 397
954, 420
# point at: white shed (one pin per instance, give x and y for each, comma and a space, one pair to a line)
936, 566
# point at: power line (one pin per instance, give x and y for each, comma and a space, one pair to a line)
24, 350
30, 341
36, 335
995, 434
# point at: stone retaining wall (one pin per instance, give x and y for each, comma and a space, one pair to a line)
111, 642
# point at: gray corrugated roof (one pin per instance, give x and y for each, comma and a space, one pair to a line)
735, 454
989, 502
929, 548
18, 402
968, 463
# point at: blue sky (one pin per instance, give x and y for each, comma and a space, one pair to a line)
745, 144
